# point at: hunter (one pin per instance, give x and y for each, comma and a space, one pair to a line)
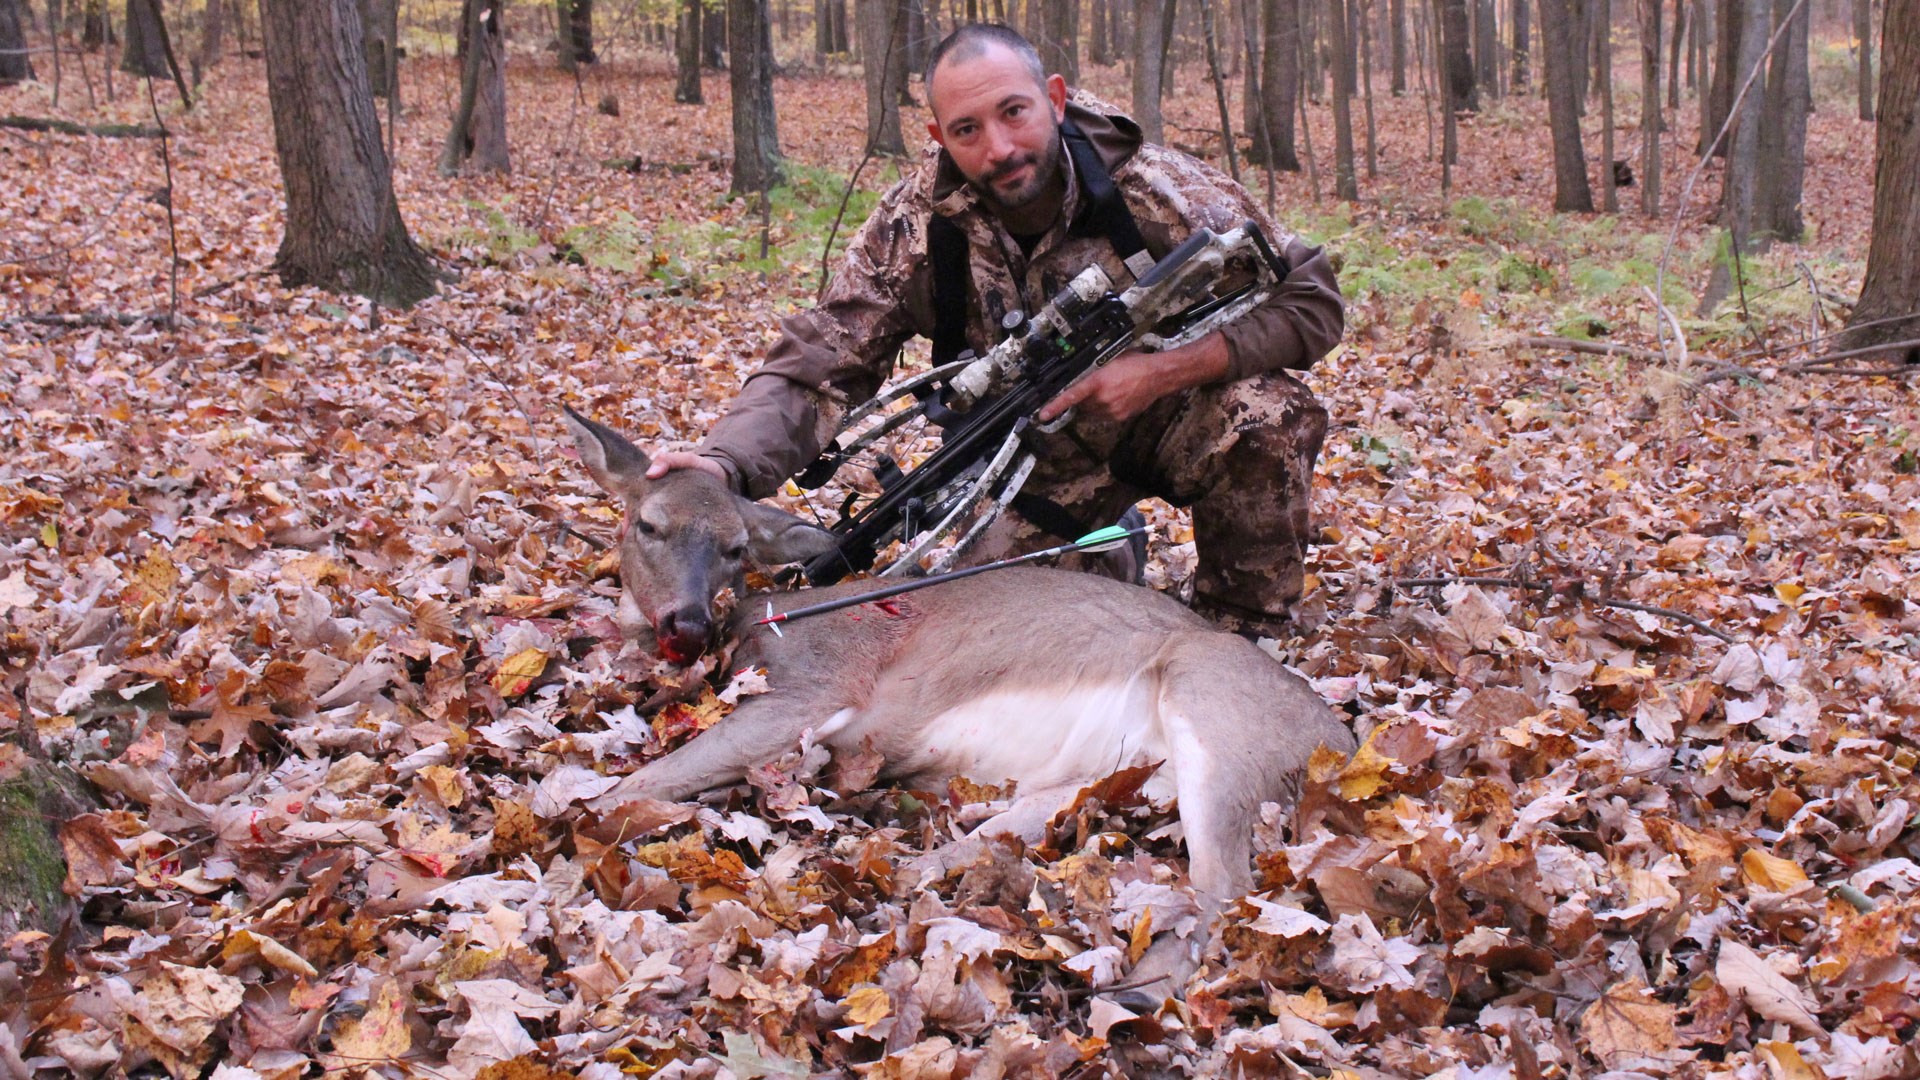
1025, 185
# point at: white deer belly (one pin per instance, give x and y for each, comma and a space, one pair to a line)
1040, 738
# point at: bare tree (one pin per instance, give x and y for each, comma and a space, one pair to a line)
1279, 85
1521, 48
1738, 190
1056, 34
1099, 40
1570, 189
380, 20
1783, 134
1153, 35
343, 228
756, 138
1486, 48
883, 49
143, 51
1863, 35
573, 32
1603, 78
15, 65
1455, 30
1892, 287
1397, 42
1345, 186
1649, 20
686, 55
477, 140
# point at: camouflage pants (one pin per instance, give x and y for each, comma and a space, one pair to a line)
1240, 454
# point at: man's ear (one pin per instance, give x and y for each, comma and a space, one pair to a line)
1057, 94
776, 538
933, 129
615, 464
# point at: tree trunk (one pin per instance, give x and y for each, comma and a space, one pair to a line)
1099, 51
1739, 188
1603, 75
1486, 48
1397, 37
1345, 186
1280, 83
756, 140
1783, 138
1521, 78
713, 33
35, 799
380, 19
883, 44
144, 52
573, 32
1366, 86
15, 65
213, 35
1454, 32
94, 31
477, 141
1649, 19
1892, 287
1673, 57
1725, 79
686, 55
344, 230
1863, 33
1151, 20
1058, 40
1570, 189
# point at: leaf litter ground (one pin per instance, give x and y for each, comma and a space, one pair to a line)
308, 599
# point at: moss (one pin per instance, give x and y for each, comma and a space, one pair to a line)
31, 864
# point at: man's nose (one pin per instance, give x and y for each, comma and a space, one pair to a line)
1000, 144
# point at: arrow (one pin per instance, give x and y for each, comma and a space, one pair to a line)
1096, 541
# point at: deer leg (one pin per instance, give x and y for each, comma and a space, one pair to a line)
758, 731
1025, 819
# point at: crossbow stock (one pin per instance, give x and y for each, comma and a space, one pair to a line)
986, 405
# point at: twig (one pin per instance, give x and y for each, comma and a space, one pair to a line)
68, 127
166, 161
1817, 362
1725, 370
223, 286
1575, 592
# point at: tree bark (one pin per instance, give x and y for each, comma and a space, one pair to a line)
1522, 48
1724, 79
756, 140
1649, 19
1678, 33
1397, 39
15, 63
686, 55
1783, 137
573, 29
35, 799
714, 40
380, 19
1345, 185
1892, 286
477, 141
1738, 189
344, 230
1454, 35
1099, 41
1603, 75
213, 38
1486, 48
1570, 189
1280, 83
1152, 21
144, 52
1058, 40
1863, 34
883, 45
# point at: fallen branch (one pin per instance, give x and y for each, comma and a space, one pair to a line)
1723, 369
1819, 363
91, 319
68, 127
1576, 591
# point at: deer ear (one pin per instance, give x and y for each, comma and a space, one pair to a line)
775, 537
616, 464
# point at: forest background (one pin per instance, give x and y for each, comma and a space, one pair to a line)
307, 656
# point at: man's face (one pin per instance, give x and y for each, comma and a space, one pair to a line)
1001, 127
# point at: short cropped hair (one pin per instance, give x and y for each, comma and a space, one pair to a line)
972, 39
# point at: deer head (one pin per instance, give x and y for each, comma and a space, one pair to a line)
686, 539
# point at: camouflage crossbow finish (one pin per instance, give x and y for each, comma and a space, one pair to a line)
986, 405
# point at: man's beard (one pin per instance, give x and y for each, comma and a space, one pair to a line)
1046, 167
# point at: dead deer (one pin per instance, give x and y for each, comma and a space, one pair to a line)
1049, 679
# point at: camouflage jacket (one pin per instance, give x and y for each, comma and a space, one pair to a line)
838, 354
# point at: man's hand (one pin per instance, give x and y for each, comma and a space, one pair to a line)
666, 462
1132, 381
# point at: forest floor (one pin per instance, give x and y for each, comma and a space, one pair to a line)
301, 588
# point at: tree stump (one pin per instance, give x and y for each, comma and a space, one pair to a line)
34, 799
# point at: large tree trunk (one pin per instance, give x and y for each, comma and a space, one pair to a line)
1522, 48
1345, 186
1279, 84
1863, 33
14, 65
573, 30
686, 55
1892, 287
380, 20
477, 141
1570, 189
883, 46
213, 39
344, 230
756, 140
1738, 191
1726, 77
1486, 47
1153, 32
1454, 32
1783, 137
144, 51
1058, 39
1650, 124
713, 33
1397, 41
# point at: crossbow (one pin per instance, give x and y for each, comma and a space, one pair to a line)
986, 405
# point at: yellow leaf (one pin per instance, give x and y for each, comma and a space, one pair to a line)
1628, 1023
246, 945
518, 671
1789, 593
1365, 775
50, 535
1141, 937
380, 1035
1787, 1062
444, 782
868, 1004
1771, 871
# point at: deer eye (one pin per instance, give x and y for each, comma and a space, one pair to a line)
644, 529
737, 551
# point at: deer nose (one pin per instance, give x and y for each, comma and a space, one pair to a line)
684, 631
